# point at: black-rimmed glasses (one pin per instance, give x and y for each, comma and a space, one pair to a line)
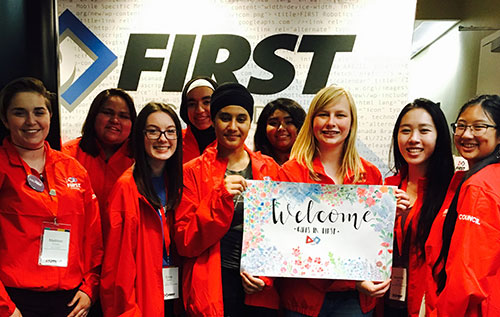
155, 134
477, 129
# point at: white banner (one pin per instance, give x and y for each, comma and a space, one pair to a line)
275, 48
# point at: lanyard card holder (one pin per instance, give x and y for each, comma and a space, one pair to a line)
170, 282
398, 284
54, 244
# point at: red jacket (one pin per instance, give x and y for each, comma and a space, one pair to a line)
418, 271
306, 296
473, 266
190, 148
132, 280
202, 219
434, 243
22, 212
103, 175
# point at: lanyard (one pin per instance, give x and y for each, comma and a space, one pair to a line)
166, 251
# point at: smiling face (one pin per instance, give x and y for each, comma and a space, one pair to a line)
332, 124
162, 149
474, 148
281, 131
232, 124
28, 120
112, 123
417, 137
198, 107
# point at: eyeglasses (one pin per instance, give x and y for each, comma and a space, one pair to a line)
154, 134
476, 129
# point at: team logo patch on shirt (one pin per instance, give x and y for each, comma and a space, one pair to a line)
469, 218
72, 182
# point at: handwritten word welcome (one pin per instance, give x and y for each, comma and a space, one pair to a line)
311, 215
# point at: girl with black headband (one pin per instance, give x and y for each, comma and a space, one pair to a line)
209, 219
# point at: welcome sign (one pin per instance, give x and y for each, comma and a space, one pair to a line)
318, 230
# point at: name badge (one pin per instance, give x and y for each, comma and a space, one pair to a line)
170, 283
54, 245
398, 284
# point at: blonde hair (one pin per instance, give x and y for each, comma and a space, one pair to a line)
306, 145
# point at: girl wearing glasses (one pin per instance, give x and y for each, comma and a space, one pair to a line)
104, 148
209, 220
140, 267
277, 128
463, 245
424, 166
50, 228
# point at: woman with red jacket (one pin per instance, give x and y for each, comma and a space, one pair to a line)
140, 270
325, 152
463, 249
50, 228
209, 220
424, 166
104, 148
195, 112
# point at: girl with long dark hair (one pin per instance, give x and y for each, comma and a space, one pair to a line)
423, 166
277, 128
462, 247
104, 148
138, 221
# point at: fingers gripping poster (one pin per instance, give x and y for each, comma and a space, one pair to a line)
318, 230
276, 48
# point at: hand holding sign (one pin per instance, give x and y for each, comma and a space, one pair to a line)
251, 285
235, 184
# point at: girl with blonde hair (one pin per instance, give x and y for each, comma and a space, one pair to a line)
325, 152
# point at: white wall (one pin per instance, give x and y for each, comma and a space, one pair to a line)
447, 70
488, 79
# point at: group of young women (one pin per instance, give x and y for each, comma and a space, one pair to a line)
129, 224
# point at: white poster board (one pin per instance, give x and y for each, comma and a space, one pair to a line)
318, 230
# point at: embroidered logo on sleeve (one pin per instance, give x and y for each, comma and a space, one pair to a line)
469, 218
72, 182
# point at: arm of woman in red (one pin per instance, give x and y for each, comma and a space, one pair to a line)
92, 244
119, 267
474, 260
202, 218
